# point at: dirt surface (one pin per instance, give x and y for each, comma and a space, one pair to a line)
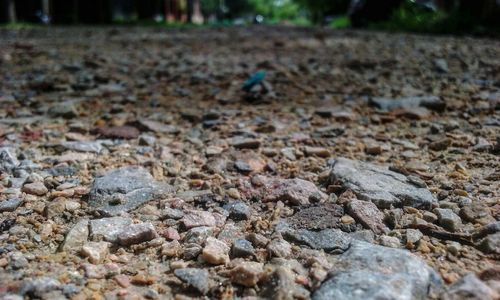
248, 162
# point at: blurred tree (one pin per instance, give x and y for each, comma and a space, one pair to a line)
11, 11
64, 11
94, 11
364, 12
276, 9
238, 8
319, 9
147, 9
212, 8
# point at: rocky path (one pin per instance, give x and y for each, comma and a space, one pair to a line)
257, 163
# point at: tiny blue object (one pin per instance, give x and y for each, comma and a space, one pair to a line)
255, 79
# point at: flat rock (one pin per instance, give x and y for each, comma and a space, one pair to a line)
368, 215
329, 240
108, 228
367, 271
293, 191
82, 146
157, 126
118, 132
124, 189
136, 234
379, 185
323, 216
10, 204
196, 278
245, 143
197, 218
316, 151
35, 188
430, 102
76, 237
470, 287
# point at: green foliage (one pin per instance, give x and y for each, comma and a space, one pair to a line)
318, 9
209, 6
409, 17
276, 9
340, 22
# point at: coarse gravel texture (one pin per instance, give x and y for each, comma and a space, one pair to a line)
238, 162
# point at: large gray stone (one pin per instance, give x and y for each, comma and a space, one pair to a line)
379, 185
366, 271
35, 288
471, 288
125, 189
431, 102
330, 240
10, 204
82, 146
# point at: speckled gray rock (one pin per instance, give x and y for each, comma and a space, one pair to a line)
238, 210
367, 271
469, 287
10, 204
448, 219
379, 185
279, 248
330, 240
491, 243
198, 235
124, 189
17, 260
242, 248
108, 228
37, 287
83, 146
8, 160
197, 278
431, 102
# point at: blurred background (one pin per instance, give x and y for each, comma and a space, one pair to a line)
431, 16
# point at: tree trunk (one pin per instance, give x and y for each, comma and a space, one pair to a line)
46, 10
11, 11
197, 17
189, 11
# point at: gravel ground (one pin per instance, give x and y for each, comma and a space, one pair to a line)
255, 163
